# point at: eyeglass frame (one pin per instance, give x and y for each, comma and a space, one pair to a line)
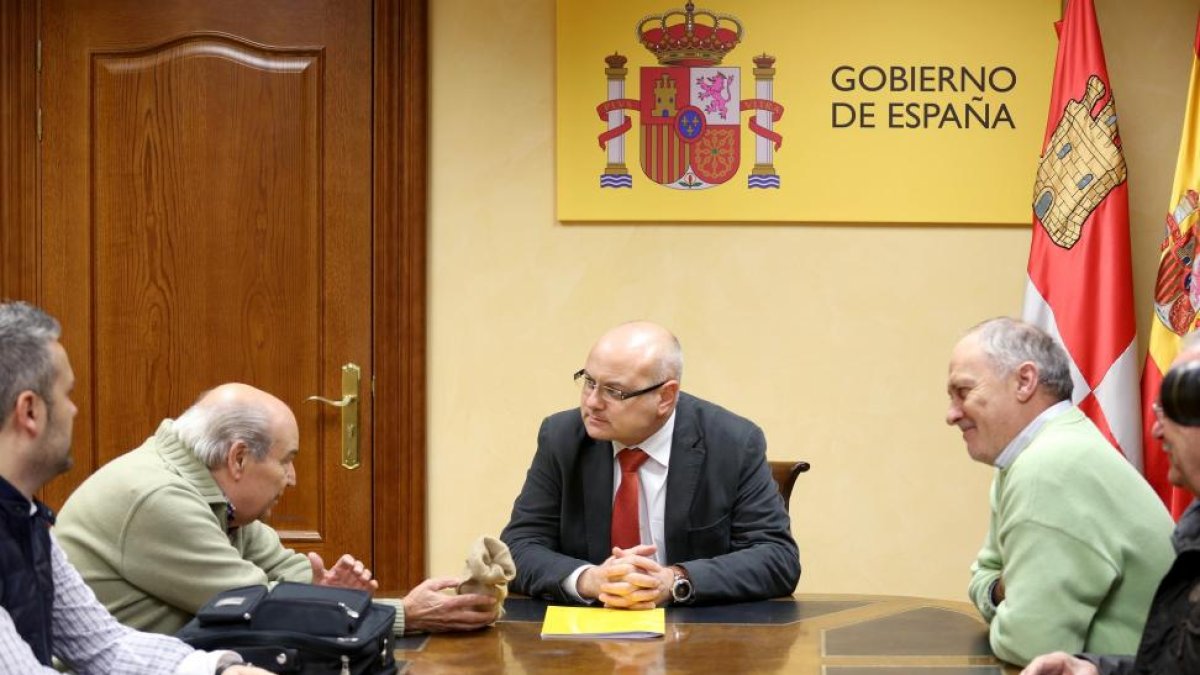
612, 392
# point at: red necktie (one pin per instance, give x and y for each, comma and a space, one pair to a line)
626, 533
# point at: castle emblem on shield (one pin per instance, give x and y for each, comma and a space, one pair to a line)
690, 106
1081, 165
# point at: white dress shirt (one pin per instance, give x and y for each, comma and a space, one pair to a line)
652, 497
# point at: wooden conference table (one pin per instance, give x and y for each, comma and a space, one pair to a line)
817, 634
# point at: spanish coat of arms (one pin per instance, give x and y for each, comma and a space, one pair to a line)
690, 106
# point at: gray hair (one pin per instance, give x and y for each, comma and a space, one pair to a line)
25, 336
670, 362
1008, 343
211, 428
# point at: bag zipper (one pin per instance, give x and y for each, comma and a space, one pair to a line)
353, 614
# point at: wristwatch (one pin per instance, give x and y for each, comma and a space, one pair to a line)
681, 589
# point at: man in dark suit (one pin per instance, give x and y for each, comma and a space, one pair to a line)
645, 495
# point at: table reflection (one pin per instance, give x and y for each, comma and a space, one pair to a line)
818, 634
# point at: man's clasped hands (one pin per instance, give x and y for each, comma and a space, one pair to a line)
628, 579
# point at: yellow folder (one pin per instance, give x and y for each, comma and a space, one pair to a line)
605, 624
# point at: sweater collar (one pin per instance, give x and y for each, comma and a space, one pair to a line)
183, 460
1023, 439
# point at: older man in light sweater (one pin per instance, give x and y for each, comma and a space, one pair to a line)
160, 530
1078, 540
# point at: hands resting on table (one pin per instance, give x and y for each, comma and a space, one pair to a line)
426, 608
629, 579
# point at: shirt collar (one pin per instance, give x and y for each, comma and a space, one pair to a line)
658, 445
183, 459
230, 514
15, 500
1023, 439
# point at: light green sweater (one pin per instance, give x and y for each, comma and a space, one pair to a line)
147, 532
1082, 543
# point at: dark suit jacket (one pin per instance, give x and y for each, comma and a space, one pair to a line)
725, 521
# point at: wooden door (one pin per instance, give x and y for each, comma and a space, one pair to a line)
206, 217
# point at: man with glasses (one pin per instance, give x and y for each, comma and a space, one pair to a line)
1170, 644
645, 495
1078, 539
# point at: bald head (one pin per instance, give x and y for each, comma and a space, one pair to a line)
630, 382
642, 346
235, 412
238, 395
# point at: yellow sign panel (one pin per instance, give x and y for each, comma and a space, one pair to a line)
913, 111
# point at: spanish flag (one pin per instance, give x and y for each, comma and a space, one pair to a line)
1080, 285
1177, 288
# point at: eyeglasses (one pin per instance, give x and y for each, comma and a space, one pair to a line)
612, 393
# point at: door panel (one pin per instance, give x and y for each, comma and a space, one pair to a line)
207, 218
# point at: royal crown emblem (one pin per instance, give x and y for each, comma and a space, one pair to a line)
688, 42
690, 105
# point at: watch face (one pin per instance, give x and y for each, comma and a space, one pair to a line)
681, 590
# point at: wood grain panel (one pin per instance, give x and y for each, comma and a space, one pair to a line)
399, 88
18, 150
401, 133
206, 230
208, 218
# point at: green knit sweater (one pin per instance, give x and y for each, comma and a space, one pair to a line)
147, 532
1081, 541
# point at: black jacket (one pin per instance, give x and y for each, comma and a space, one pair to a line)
724, 520
26, 574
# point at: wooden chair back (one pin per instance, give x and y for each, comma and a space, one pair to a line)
785, 474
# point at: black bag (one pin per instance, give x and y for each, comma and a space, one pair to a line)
298, 628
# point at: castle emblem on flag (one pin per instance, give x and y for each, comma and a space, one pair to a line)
690, 106
1082, 163
1177, 289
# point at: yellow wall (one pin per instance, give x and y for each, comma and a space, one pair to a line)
833, 338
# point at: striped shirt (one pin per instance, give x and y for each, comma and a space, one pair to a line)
89, 640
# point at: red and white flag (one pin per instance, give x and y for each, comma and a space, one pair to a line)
1080, 286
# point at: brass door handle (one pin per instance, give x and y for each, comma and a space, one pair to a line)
346, 400
351, 378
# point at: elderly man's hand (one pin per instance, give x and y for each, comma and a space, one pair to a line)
1060, 663
428, 610
347, 573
